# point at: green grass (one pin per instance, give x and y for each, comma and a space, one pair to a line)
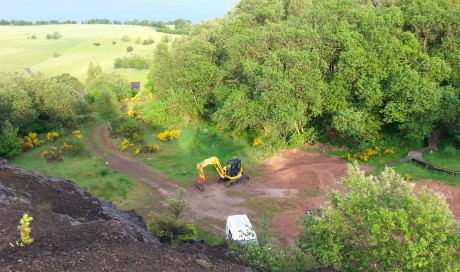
178, 158
210, 238
89, 172
419, 172
440, 158
416, 171
76, 48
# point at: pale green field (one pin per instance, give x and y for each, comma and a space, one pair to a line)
76, 48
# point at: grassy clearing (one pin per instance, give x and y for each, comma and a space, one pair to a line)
89, 172
442, 158
178, 158
76, 48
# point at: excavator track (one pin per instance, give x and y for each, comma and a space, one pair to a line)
232, 183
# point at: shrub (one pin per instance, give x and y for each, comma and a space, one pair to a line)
451, 151
178, 204
129, 127
10, 143
138, 41
25, 229
51, 136
31, 141
77, 134
56, 54
166, 228
114, 42
389, 151
137, 137
125, 145
131, 112
190, 233
33, 37
168, 135
129, 49
308, 137
55, 36
257, 141
153, 148
125, 38
71, 148
52, 154
257, 257
131, 62
147, 42
96, 44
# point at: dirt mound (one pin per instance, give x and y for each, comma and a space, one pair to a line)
73, 231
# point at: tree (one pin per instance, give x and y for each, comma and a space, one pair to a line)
179, 203
381, 224
107, 107
113, 82
94, 70
10, 143
171, 226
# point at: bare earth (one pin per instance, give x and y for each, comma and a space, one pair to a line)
294, 181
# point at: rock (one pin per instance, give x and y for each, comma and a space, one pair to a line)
204, 263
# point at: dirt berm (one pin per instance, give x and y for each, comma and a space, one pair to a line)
74, 231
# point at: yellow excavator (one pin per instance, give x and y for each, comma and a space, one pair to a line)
232, 172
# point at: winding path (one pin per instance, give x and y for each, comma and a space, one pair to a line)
209, 209
417, 156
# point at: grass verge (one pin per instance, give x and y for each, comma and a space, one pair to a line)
89, 172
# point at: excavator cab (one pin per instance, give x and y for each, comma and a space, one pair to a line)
233, 167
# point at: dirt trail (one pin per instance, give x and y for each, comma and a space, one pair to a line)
210, 208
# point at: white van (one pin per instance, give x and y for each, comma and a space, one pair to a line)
239, 229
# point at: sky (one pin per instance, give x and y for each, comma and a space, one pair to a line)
121, 10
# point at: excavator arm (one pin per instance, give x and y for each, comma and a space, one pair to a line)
214, 161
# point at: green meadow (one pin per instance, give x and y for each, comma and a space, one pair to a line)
76, 48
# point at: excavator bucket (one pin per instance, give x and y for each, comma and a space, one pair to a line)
199, 186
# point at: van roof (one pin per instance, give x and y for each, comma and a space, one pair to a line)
241, 227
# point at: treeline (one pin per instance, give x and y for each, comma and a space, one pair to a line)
180, 26
25, 23
286, 70
39, 104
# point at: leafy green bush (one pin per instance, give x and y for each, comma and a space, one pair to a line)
131, 62
71, 148
451, 151
52, 154
10, 143
129, 128
147, 42
307, 137
168, 228
190, 233
259, 258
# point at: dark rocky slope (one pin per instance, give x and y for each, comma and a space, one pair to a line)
75, 231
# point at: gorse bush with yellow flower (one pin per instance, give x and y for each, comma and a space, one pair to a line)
168, 135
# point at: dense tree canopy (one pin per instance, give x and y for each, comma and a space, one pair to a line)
38, 103
362, 69
380, 224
